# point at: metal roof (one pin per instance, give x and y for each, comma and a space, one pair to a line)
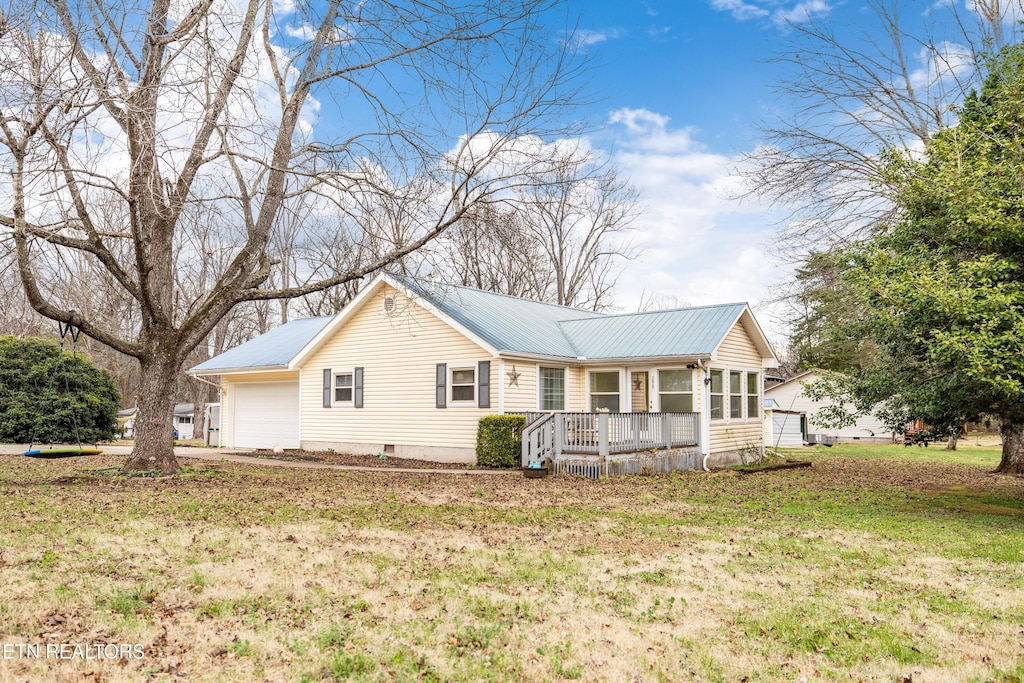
271, 350
513, 325
681, 332
505, 322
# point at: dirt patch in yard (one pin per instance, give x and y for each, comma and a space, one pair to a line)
361, 460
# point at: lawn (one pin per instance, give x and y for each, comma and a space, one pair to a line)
875, 563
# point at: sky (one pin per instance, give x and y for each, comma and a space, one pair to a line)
680, 86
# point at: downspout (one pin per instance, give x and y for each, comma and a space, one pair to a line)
705, 414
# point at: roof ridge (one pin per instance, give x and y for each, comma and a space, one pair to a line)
665, 310
500, 294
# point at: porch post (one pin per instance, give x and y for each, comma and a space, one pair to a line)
559, 420
602, 434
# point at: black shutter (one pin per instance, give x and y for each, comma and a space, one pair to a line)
483, 384
357, 388
327, 387
442, 384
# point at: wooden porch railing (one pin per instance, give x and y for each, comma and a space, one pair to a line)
603, 434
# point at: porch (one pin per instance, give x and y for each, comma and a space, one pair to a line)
610, 444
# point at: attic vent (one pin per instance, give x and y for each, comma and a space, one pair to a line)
389, 304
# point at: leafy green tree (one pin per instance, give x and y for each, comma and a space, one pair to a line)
943, 289
50, 397
822, 307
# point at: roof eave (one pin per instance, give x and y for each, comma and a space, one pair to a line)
581, 361
208, 372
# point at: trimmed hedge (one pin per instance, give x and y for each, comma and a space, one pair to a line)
499, 440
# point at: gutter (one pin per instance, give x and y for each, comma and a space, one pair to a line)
584, 361
236, 371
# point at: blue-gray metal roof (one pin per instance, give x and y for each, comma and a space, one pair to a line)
271, 350
507, 323
521, 326
682, 332
515, 325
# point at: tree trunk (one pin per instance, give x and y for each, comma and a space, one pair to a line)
154, 425
1013, 450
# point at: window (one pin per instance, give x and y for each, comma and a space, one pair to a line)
752, 394
735, 394
716, 395
185, 420
552, 388
604, 391
343, 387
675, 389
463, 384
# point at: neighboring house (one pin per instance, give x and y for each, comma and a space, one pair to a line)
184, 421
409, 367
126, 422
791, 401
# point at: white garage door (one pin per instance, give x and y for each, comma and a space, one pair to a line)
266, 414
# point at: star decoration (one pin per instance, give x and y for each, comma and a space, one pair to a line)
513, 377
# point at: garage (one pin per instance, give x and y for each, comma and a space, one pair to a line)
266, 414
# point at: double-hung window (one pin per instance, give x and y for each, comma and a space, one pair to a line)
735, 394
752, 394
717, 396
604, 391
675, 390
552, 388
343, 387
463, 385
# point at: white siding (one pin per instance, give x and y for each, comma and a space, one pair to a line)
738, 352
399, 354
790, 396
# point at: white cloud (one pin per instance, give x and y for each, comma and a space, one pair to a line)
741, 11
801, 12
585, 38
781, 13
942, 62
700, 247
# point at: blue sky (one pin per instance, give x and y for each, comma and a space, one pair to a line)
680, 86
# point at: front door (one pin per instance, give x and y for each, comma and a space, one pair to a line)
640, 401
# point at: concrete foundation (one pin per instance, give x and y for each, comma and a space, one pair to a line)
464, 456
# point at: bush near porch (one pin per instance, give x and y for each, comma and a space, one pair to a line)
499, 440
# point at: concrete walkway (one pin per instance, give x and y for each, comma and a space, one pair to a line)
235, 455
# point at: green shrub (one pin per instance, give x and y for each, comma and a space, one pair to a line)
498, 440
44, 394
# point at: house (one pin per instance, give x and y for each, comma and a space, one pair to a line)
184, 421
409, 367
793, 404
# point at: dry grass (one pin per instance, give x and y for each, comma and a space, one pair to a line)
854, 568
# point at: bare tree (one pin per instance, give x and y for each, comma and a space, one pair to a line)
579, 211
157, 110
560, 235
855, 93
